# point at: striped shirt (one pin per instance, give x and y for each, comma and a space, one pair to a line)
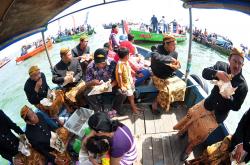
123, 145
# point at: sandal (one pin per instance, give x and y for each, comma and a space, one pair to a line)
138, 113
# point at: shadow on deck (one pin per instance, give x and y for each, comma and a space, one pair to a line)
157, 142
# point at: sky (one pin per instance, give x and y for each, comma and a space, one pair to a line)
231, 24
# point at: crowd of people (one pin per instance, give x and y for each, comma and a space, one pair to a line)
212, 38
162, 26
75, 30
118, 62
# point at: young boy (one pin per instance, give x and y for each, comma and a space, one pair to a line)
124, 78
99, 146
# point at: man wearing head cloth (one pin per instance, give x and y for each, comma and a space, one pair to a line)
67, 72
217, 102
81, 51
36, 87
168, 46
38, 132
231, 71
164, 63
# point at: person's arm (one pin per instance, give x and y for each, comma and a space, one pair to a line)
211, 73
73, 52
115, 161
236, 100
238, 136
121, 80
32, 95
133, 66
57, 78
45, 81
78, 75
10, 124
114, 40
90, 78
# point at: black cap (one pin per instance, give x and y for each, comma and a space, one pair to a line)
100, 55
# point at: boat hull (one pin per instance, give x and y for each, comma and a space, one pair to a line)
4, 62
214, 46
73, 37
34, 52
154, 37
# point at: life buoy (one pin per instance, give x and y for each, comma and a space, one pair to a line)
201, 82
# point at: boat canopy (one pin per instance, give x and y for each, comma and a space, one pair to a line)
22, 18
238, 5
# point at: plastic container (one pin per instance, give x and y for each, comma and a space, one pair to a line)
77, 145
78, 122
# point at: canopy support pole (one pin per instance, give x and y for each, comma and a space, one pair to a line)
189, 60
47, 52
123, 28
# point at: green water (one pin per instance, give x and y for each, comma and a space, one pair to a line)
13, 77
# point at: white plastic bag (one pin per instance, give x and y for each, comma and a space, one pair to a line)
103, 88
226, 88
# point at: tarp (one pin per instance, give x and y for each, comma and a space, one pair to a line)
238, 5
22, 18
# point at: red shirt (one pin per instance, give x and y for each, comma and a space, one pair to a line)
129, 45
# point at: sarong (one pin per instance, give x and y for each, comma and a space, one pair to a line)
170, 90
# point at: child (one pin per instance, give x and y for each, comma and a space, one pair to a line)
99, 146
124, 78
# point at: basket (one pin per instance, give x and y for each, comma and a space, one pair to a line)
78, 121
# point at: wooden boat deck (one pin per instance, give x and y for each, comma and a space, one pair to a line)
157, 142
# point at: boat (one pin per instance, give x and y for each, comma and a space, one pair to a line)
216, 47
142, 36
33, 52
73, 37
109, 26
4, 61
157, 142
248, 57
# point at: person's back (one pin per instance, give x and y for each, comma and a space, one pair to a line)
129, 45
159, 65
124, 78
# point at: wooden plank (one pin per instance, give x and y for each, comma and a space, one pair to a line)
127, 119
139, 123
147, 151
164, 124
177, 115
167, 151
149, 122
138, 139
157, 150
178, 145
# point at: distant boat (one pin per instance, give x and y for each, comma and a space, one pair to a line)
73, 37
33, 52
213, 46
109, 26
154, 37
4, 61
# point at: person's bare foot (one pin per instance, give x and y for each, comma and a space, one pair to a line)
154, 106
